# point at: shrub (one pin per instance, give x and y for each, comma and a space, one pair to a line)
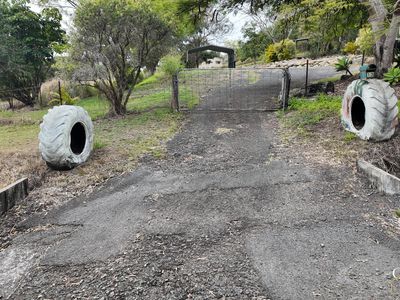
392, 76
365, 40
66, 98
49, 88
285, 49
343, 64
270, 53
171, 64
350, 48
81, 91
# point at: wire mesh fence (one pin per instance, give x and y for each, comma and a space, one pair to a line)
232, 89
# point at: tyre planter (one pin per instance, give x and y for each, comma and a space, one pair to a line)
66, 137
369, 109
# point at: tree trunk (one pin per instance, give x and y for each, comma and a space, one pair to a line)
386, 37
388, 46
116, 108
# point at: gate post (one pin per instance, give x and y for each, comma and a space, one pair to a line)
285, 88
175, 93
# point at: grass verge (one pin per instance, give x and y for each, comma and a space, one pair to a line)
304, 113
314, 127
119, 142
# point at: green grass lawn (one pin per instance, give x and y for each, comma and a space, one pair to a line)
118, 144
21, 127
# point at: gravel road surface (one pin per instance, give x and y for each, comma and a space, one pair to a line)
227, 215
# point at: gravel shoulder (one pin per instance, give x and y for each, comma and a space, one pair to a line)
233, 212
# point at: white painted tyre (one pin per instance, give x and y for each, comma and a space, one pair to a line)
66, 137
369, 109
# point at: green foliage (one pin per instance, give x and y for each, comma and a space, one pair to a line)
28, 42
350, 48
365, 40
349, 136
327, 23
308, 112
171, 64
392, 76
270, 54
65, 98
255, 44
397, 213
131, 36
285, 49
98, 144
343, 64
81, 91
150, 81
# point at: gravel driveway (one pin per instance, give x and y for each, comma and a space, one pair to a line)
227, 215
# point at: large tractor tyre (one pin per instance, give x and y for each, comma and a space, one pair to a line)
66, 137
369, 109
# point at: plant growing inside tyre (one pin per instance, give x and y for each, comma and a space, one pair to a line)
343, 64
392, 76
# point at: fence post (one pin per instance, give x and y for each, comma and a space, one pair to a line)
285, 88
59, 92
40, 96
175, 93
306, 88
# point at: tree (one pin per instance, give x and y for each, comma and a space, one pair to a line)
328, 23
255, 44
384, 17
114, 40
28, 41
385, 22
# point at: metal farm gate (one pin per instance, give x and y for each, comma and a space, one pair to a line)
240, 89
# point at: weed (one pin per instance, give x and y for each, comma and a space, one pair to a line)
280, 113
349, 136
397, 212
98, 144
304, 113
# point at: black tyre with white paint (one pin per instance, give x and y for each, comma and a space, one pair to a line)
369, 109
66, 137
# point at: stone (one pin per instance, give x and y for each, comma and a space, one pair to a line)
383, 181
13, 193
